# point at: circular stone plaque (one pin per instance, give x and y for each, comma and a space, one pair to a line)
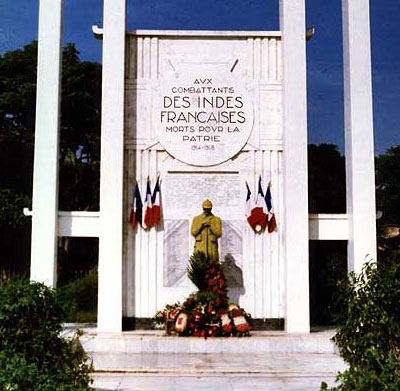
203, 121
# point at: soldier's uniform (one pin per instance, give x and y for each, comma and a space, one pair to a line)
207, 228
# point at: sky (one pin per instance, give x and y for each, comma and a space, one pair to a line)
19, 21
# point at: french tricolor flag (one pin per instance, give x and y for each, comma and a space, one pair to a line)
156, 202
271, 214
148, 207
258, 215
137, 210
249, 205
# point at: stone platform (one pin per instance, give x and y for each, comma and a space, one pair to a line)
273, 360
143, 342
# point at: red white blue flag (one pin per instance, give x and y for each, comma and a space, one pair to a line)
258, 216
249, 205
271, 214
137, 209
156, 202
148, 207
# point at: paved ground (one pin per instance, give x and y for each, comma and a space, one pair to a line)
201, 372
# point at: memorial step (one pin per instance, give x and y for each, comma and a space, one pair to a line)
220, 382
268, 360
145, 372
260, 342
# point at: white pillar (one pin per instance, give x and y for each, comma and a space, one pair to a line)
45, 172
295, 228
111, 168
359, 139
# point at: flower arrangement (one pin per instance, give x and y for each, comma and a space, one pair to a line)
166, 318
207, 312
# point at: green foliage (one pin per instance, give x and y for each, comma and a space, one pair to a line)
79, 143
326, 179
80, 298
11, 208
209, 278
198, 263
369, 335
33, 356
328, 267
205, 313
80, 125
17, 117
76, 258
80, 132
388, 184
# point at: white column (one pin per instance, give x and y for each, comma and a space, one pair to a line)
295, 227
45, 172
359, 139
111, 168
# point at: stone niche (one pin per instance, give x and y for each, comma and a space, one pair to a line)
183, 196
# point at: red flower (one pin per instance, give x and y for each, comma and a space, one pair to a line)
236, 313
197, 316
212, 331
243, 327
173, 314
226, 323
227, 328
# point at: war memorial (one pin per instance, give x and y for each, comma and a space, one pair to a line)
205, 112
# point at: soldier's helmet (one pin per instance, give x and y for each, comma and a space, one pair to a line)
207, 204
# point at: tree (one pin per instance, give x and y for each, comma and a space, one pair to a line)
388, 200
79, 143
388, 184
326, 194
326, 179
80, 133
33, 354
368, 335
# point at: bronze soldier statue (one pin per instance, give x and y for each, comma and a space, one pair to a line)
207, 228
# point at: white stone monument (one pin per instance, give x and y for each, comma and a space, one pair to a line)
207, 111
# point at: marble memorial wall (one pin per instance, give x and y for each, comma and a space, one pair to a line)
185, 96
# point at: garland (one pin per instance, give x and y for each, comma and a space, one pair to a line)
206, 312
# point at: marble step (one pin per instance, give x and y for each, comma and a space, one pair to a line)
256, 363
220, 382
260, 342
204, 372
268, 360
